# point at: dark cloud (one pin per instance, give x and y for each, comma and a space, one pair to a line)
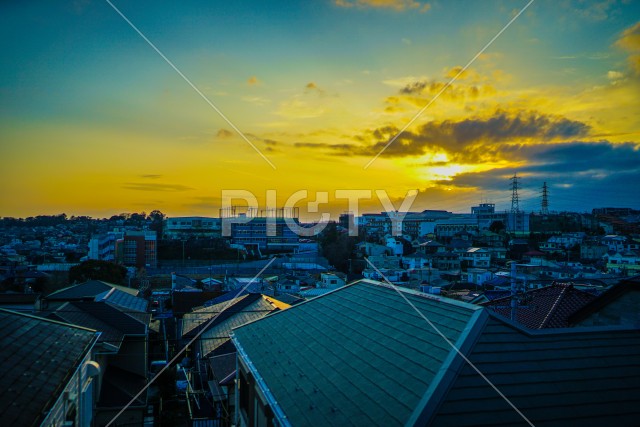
430, 88
146, 186
469, 140
578, 174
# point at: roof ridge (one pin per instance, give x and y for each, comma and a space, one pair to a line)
563, 290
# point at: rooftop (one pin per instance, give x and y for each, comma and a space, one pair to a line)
369, 354
38, 358
548, 307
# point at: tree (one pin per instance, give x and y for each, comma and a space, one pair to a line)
496, 227
337, 247
98, 270
157, 221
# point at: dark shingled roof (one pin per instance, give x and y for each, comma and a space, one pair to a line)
38, 358
548, 307
88, 289
109, 320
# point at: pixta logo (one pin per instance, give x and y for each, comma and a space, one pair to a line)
231, 198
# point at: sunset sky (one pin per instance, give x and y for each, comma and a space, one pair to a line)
93, 121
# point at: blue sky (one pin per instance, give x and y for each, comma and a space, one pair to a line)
89, 111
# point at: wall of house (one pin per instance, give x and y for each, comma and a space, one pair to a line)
77, 400
132, 356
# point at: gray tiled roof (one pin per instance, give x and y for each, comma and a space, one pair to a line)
219, 333
360, 355
88, 289
197, 318
113, 323
123, 299
37, 359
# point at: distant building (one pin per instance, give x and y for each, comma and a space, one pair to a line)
104, 246
192, 226
265, 234
132, 248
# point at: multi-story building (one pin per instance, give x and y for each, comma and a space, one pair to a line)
265, 234
140, 249
103, 246
192, 226
133, 248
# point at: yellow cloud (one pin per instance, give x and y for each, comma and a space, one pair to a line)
223, 133
630, 41
253, 80
397, 5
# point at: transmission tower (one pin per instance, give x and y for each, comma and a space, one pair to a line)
544, 210
515, 203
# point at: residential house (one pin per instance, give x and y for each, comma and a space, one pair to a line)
448, 261
47, 371
477, 257
212, 348
627, 262
121, 351
592, 250
331, 280
477, 276
362, 356
88, 290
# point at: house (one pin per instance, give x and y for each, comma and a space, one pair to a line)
477, 257
373, 354
447, 261
218, 318
477, 276
623, 262
548, 307
331, 280
121, 351
47, 371
82, 292
207, 331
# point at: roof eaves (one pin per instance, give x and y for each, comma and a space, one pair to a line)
428, 406
243, 359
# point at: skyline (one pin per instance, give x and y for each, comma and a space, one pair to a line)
94, 122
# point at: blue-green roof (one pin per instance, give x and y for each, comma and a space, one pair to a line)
360, 355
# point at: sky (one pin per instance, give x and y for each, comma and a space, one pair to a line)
283, 96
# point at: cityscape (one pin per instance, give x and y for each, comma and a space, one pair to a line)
338, 212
